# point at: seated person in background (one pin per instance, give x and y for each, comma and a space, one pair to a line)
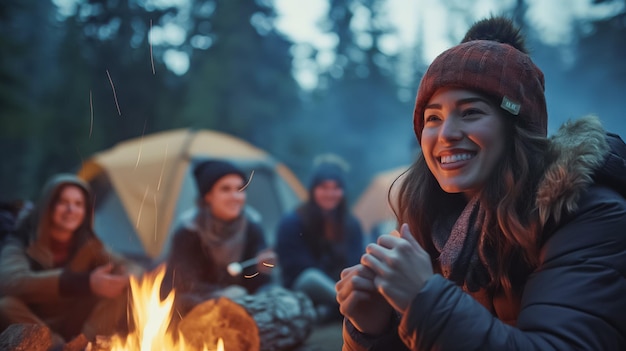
54, 271
320, 238
213, 235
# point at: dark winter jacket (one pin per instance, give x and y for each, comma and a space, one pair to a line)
296, 252
192, 272
574, 300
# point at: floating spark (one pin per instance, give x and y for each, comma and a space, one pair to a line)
248, 183
114, 94
156, 217
162, 167
141, 207
91, 109
151, 57
141, 144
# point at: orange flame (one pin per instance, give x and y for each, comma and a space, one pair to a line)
152, 317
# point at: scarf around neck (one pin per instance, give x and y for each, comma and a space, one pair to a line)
223, 241
458, 239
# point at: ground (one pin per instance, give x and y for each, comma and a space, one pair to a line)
324, 338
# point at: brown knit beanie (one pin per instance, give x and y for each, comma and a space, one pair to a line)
492, 60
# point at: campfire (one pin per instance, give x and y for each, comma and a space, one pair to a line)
151, 317
271, 320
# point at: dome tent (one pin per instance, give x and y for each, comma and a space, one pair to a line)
142, 185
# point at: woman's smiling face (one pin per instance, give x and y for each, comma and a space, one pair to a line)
68, 213
227, 197
463, 139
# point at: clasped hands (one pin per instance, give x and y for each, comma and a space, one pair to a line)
391, 273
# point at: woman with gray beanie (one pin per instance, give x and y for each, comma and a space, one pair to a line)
320, 238
509, 240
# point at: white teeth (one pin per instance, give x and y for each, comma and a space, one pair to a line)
455, 158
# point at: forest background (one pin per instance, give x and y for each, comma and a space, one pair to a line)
76, 80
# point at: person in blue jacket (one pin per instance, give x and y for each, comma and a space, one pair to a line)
509, 240
320, 238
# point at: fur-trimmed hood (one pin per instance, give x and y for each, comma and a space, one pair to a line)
581, 152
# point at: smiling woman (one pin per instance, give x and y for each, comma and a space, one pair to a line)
509, 240
56, 272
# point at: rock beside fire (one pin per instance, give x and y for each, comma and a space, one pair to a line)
34, 337
284, 318
26, 337
220, 318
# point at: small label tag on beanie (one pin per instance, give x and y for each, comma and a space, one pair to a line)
510, 105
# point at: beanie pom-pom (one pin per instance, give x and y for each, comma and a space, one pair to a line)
499, 29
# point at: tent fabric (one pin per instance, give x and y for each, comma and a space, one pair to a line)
372, 208
142, 185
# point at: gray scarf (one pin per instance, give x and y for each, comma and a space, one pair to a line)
223, 241
458, 237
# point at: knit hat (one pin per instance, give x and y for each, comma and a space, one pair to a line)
207, 173
328, 167
492, 60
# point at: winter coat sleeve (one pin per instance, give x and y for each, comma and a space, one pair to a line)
19, 280
574, 300
94, 253
357, 341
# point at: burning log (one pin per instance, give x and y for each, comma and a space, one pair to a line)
221, 318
